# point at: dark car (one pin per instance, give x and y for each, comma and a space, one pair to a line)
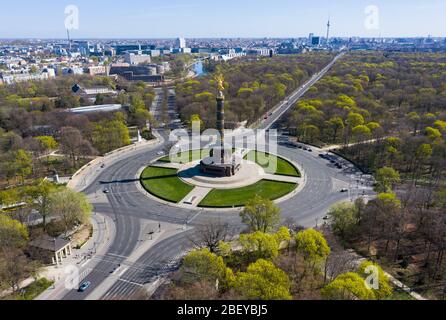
84, 286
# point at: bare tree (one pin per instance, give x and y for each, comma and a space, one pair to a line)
209, 234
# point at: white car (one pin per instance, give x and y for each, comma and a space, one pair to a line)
161, 153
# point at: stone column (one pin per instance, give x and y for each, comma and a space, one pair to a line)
221, 123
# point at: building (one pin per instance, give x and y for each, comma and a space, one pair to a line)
137, 73
264, 52
92, 91
23, 77
136, 59
97, 108
314, 40
73, 71
84, 48
155, 53
181, 43
97, 70
50, 249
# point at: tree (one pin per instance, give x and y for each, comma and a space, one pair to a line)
110, 135
415, 119
336, 125
22, 163
14, 267
354, 120
13, 234
344, 219
347, 286
384, 289
260, 245
71, 207
41, 193
263, 281
210, 234
201, 265
10, 197
361, 133
313, 246
261, 215
386, 179
73, 144
47, 143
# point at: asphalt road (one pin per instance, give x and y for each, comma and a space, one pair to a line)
128, 207
285, 106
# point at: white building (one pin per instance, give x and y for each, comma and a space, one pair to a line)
23, 77
181, 43
135, 59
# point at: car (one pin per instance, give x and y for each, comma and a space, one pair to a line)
106, 191
310, 150
344, 190
84, 286
103, 166
160, 153
338, 165
321, 155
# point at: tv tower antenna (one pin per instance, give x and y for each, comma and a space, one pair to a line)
328, 30
69, 40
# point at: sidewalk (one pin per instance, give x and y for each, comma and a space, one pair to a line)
103, 235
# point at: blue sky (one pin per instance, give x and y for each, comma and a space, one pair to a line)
228, 18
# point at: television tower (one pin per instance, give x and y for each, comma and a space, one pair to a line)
328, 30
69, 40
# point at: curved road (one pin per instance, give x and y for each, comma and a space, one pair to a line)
128, 207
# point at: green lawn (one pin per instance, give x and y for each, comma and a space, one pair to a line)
165, 184
188, 156
220, 198
284, 168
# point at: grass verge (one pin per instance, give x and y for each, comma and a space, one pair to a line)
165, 184
284, 167
221, 198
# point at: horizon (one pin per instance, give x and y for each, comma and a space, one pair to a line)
250, 19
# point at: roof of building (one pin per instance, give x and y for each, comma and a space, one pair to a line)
97, 108
46, 242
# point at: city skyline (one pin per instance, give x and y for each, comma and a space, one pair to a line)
248, 19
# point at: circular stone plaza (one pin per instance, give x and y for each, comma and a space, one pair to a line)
184, 184
221, 176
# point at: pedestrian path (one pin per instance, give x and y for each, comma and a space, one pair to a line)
194, 198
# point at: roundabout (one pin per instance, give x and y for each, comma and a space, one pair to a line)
185, 185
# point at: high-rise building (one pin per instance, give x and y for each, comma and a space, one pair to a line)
310, 38
181, 43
